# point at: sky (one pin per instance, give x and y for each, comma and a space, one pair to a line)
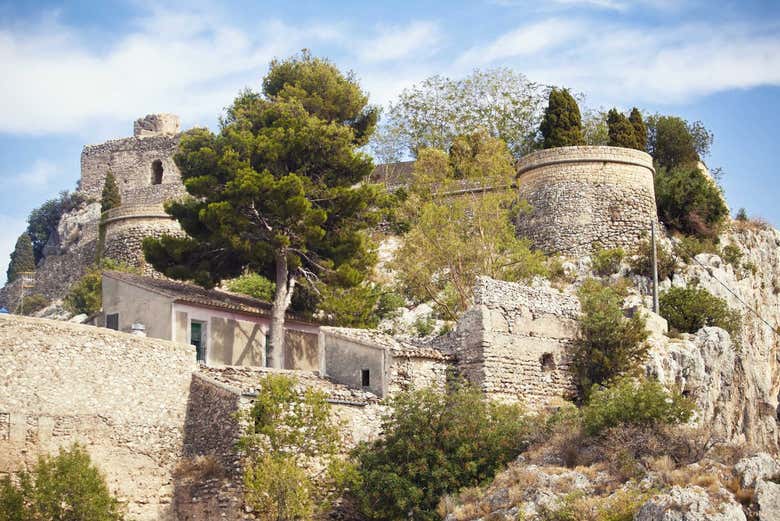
80, 72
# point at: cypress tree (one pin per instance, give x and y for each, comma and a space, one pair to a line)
621, 131
562, 123
640, 129
110, 197
22, 258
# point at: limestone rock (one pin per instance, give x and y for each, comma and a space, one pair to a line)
767, 497
760, 467
690, 504
78, 226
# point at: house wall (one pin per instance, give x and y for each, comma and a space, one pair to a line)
345, 360
238, 339
136, 304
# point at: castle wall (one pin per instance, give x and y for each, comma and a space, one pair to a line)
127, 226
516, 342
123, 397
581, 196
407, 372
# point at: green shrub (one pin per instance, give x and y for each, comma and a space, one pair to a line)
110, 198
253, 285
388, 304
287, 428
86, 295
688, 247
33, 303
732, 254
562, 122
65, 487
742, 215
22, 258
424, 326
689, 201
435, 443
622, 505
610, 344
642, 261
607, 261
631, 402
689, 309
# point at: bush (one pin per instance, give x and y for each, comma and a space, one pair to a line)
64, 487
688, 247
631, 402
689, 201
287, 429
32, 304
110, 198
607, 261
253, 285
610, 345
22, 258
689, 309
435, 444
642, 261
43, 221
742, 215
562, 122
86, 295
672, 141
732, 254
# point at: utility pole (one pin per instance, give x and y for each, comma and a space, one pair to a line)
655, 268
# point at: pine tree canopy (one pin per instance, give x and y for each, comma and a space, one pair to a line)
111, 197
640, 129
22, 258
278, 190
562, 123
621, 131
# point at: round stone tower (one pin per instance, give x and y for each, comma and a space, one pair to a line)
586, 196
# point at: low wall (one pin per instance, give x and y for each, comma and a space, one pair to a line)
123, 397
516, 342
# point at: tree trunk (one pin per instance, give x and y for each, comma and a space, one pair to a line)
285, 285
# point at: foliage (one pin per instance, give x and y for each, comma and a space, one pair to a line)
32, 304
674, 142
432, 113
630, 402
640, 129
424, 326
607, 261
86, 295
687, 247
22, 258
689, 309
435, 443
610, 344
65, 487
253, 285
689, 201
287, 427
732, 254
742, 215
621, 131
622, 505
43, 220
642, 261
350, 307
562, 123
277, 191
110, 198
595, 128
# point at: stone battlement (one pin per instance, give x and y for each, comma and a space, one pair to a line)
156, 125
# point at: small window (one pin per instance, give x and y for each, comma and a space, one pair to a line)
112, 321
157, 172
548, 362
366, 377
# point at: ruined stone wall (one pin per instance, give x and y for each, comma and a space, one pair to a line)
409, 371
126, 228
123, 397
131, 161
516, 342
581, 196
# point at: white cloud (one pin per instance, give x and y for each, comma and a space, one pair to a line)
173, 62
396, 42
614, 62
10, 229
36, 177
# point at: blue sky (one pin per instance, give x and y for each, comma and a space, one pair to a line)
80, 72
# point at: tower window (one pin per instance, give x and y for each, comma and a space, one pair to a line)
548, 363
157, 172
366, 377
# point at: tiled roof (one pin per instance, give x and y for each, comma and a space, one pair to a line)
196, 295
381, 340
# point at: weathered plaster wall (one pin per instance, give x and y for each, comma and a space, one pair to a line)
123, 397
586, 195
516, 342
346, 358
137, 305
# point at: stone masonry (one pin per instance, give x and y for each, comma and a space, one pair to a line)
516, 342
584, 196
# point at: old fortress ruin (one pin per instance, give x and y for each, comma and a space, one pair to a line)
142, 404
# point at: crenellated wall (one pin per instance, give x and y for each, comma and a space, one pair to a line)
587, 195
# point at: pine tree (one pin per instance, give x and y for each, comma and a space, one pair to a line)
562, 123
640, 129
277, 192
621, 131
111, 197
22, 258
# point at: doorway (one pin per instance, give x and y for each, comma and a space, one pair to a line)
198, 339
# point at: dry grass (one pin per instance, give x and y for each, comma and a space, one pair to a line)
199, 469
754, 224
